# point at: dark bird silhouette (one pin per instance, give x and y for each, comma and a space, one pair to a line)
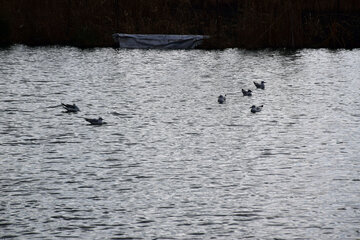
95, 121
255, 109
70, 107
246, 93
260, 85
222, 99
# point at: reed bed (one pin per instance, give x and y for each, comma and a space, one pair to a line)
230, 23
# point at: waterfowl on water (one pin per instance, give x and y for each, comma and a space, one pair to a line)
95, 121
70, 107
260, 85
246, 93
222, 99
255, 109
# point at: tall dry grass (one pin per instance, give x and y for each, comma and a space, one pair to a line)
230, 23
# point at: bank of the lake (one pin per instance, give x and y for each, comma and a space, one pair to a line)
230, 23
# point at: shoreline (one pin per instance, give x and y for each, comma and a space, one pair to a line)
243, 24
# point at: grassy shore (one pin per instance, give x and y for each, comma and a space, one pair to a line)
230, 23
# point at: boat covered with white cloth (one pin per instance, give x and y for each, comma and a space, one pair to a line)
158, 41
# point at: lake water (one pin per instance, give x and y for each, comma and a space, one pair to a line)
172, 163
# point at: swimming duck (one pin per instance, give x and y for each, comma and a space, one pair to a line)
260, 85
255, 109
246, 93
70, 107
222, 99
95, 121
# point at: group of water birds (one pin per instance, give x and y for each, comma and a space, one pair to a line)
72, 108
253, 108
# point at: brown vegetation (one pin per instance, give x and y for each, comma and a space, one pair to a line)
230, 23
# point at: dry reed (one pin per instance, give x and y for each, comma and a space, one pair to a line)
230, 23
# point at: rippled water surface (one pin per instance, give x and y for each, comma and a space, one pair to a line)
172, 163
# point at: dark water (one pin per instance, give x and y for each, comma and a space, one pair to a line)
172, 163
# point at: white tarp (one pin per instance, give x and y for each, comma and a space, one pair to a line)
158, 41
